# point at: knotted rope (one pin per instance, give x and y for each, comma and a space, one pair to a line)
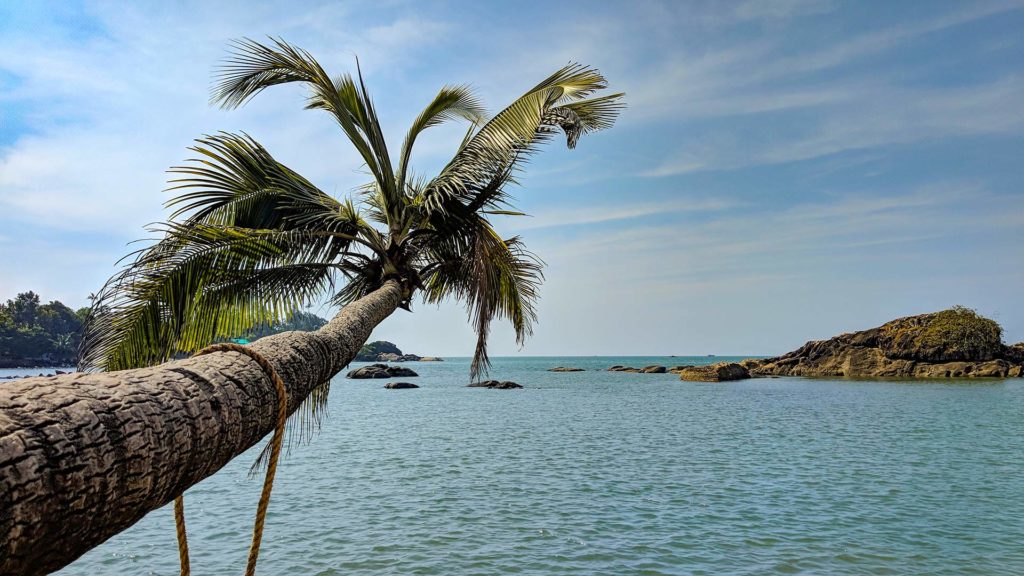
268, 481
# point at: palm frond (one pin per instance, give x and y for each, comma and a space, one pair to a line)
491, 154
253, 67
235, 182
494, 278
200, 283
450, 103
300, 428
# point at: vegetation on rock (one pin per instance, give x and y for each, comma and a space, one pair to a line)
956, 334
371, 351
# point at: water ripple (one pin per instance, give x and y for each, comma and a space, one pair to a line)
612, 473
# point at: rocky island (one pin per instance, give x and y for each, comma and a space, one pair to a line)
954, 343
384, 351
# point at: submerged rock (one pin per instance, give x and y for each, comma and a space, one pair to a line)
720, 372
494, 385
564, 369
400, 385
954, 343
380, 371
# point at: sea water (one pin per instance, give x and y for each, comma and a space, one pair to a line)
600, 472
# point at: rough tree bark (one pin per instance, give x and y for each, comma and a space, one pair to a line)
84, 456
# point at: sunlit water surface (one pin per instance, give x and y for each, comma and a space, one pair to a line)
611, 473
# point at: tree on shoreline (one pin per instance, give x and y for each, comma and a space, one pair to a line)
31, 332
34, 334
255, 241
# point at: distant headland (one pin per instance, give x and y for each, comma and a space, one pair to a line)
384, 351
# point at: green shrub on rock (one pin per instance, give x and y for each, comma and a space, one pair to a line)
957, 334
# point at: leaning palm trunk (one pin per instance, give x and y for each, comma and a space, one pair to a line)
84, 456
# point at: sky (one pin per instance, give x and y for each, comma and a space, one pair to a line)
785, 170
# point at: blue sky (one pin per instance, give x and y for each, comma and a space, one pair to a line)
785, 170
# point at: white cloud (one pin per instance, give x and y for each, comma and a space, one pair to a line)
877, 116
114, 112
710, 87
780, 9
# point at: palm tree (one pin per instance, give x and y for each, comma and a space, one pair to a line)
249, 242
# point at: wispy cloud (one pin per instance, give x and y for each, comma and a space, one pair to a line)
882, 116
786, 239
587, 214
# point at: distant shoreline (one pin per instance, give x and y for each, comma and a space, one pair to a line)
31, 363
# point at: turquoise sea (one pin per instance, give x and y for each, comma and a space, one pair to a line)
610, 473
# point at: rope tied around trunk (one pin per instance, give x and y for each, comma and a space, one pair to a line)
268, 480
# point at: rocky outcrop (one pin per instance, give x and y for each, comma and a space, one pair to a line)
431, 359
400, 385
654, 369
955, 343
494, 385
618, 368
380, 371
564, 369
720, 372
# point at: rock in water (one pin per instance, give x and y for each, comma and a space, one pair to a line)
400, 385
655, 369
494, 385
380, 371
564, 369
721, 372
954, 343
618, 368
431, 359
